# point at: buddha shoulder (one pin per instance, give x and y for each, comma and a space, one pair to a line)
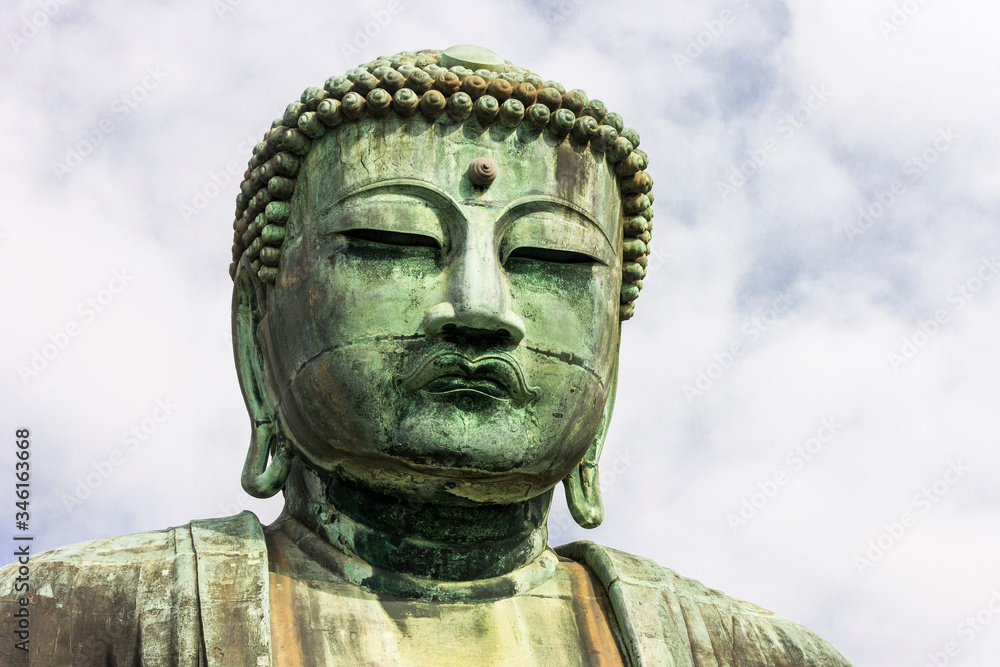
140, 598
665, 618
102, 563
87, 599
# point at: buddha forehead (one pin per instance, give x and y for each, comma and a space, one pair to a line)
422, 117
433, 160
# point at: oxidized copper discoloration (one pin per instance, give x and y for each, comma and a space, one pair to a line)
501, 93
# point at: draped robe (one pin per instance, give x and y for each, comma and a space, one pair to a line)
197, 596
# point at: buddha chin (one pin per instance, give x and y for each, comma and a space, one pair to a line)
450, 424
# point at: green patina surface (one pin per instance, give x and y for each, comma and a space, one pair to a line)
448, 346
433, 257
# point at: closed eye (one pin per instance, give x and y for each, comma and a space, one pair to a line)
392, 238
552, 255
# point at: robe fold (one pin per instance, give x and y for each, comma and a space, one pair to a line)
197, 596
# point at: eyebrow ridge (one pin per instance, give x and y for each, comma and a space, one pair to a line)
422, 189
411, 186
513, 210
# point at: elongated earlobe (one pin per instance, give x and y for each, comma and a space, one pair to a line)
260, 479
583, 485
268, 439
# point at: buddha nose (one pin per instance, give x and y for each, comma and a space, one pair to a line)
478, 303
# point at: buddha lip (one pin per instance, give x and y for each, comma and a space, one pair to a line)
447, 384
495, 375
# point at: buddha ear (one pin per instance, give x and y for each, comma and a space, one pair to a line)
267, 437
583, 485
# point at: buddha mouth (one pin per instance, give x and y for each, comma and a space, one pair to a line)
495, 375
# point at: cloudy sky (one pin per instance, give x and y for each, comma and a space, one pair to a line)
807, 406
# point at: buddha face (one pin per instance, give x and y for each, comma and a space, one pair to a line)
426, 335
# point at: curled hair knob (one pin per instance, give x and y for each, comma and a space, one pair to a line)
482, 171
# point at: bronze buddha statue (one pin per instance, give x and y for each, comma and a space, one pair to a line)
433, 256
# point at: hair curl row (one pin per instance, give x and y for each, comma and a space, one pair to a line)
414, 83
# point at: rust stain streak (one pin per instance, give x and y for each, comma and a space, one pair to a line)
597, 643
286, 644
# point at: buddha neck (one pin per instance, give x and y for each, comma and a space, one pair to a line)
418, 540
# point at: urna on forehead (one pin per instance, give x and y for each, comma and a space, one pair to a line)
465, 91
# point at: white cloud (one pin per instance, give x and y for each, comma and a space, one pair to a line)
719, 263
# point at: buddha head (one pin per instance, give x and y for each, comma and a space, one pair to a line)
432, 260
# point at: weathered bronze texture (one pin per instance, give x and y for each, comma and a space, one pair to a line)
482, 171
477, 81
433, 256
